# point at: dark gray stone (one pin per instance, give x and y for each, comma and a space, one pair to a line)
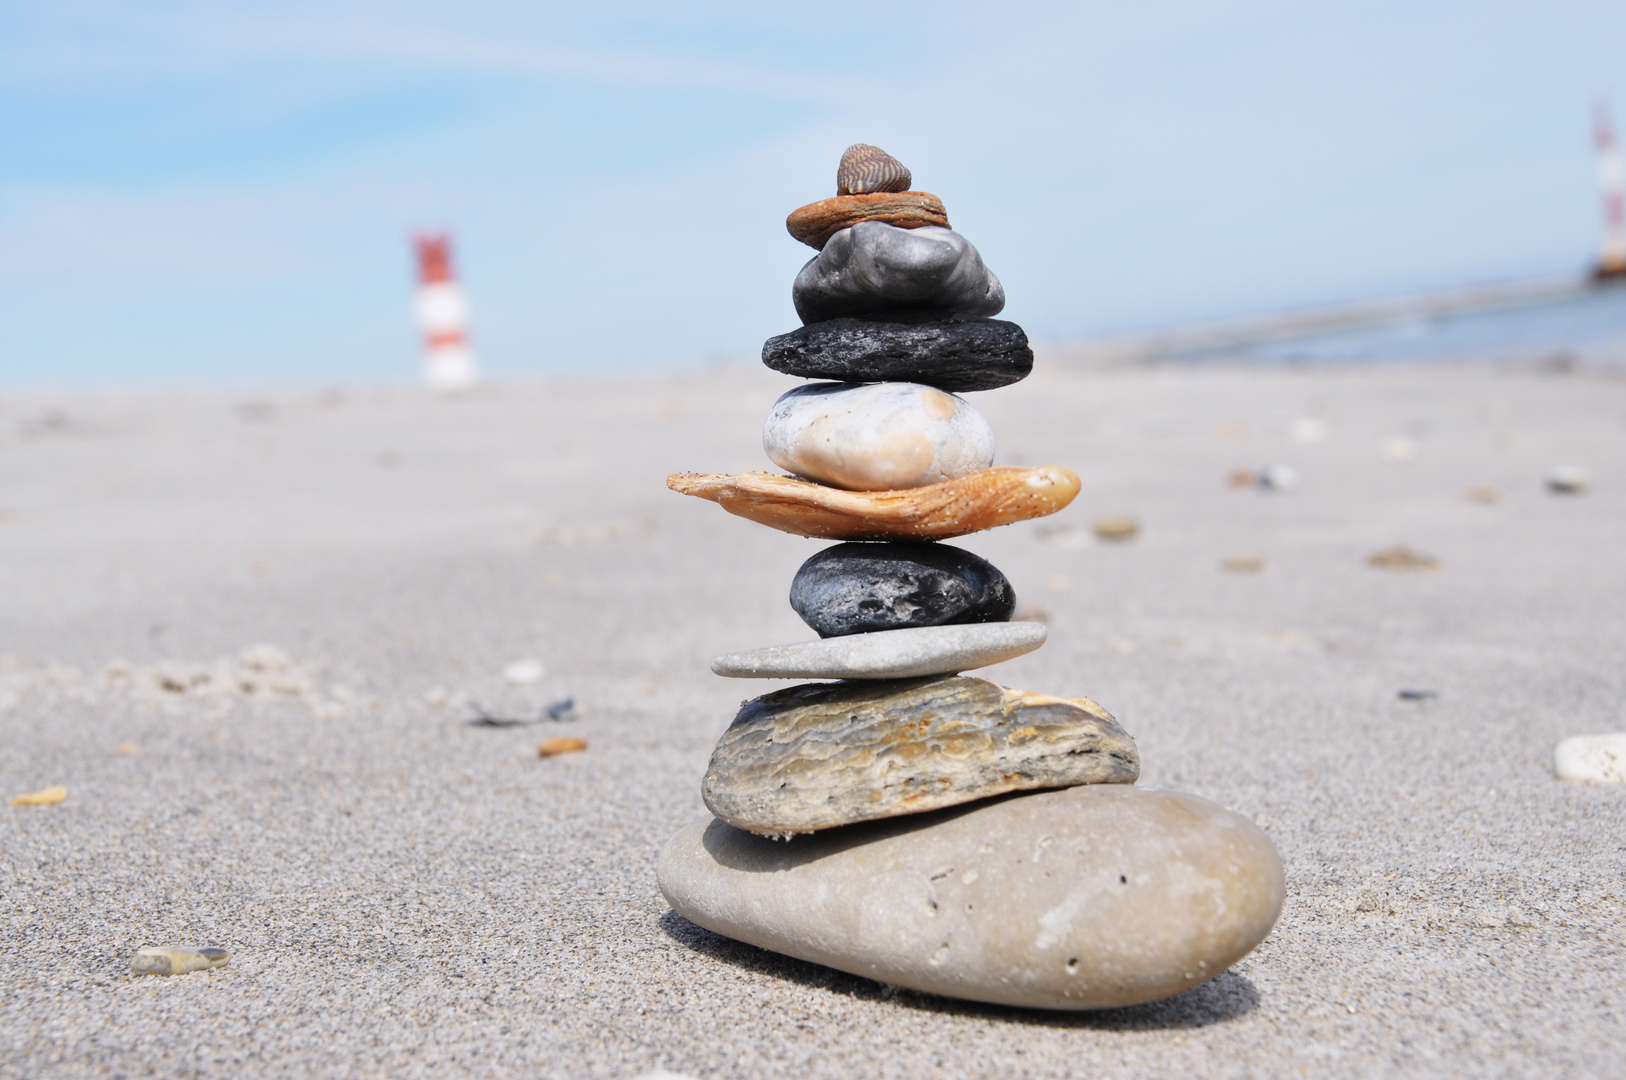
873, 266
954, 353
859, 588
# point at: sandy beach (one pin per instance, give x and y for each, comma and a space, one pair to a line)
246, 630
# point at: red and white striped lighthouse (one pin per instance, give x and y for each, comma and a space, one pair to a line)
1612, 181
443, 315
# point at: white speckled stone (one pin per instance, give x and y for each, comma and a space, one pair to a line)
1088, 898
1599, 758
876, 436
887, 654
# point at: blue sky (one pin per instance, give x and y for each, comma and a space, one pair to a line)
223, 193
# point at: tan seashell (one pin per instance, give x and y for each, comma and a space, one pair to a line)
865, 168
966, 504
815, 223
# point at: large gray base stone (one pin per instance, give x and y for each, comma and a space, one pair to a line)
1087, 898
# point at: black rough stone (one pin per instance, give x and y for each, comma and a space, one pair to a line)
952, 353
861, 587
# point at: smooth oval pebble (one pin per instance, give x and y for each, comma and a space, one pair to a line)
865, 168
873, 266
889, 654
815, 223
1089, 898
876, 436
862, 588
953, 352
827, 754
968, 504
1597, 758
161, 960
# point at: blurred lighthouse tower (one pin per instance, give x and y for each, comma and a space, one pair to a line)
1612, 179
443, 315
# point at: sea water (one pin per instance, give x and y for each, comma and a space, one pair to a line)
1586, 327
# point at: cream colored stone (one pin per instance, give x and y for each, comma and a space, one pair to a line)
1088, 898
1598, 758
877, 436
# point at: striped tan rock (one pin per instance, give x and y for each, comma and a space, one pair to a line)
826, 754
815, 223
966, 504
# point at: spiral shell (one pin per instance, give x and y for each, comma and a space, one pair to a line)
865, 168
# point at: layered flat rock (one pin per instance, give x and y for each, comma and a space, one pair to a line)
823, 755
955, 352
815, 223
876, 436
889, 654
873, 266
1089, 898
982, 500
862, 588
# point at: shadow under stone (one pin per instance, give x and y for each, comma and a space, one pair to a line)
1224, 997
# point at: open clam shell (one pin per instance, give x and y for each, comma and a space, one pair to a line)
967, 504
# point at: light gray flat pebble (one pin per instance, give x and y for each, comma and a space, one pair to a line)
158, 960
887, 654
1087, 898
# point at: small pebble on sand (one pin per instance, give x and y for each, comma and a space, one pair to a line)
1567, 479
1402, 558
1308, 429
127, 748
49, 797
1243, 564
161, 960
1485, 494
1115, 527
561, 744
1278, 478
524, 671
1597, 758
1397, 448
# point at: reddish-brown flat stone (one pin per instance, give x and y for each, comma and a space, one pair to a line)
815, 223
967, 504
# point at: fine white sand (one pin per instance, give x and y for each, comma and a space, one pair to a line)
404, 895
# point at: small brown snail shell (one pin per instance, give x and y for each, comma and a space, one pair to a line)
865, 168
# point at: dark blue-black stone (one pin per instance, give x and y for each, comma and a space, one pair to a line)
861, 587
950, 352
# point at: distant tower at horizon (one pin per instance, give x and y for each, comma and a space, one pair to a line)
443, 316
1612, 181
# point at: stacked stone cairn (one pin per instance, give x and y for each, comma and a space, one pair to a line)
905, 822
